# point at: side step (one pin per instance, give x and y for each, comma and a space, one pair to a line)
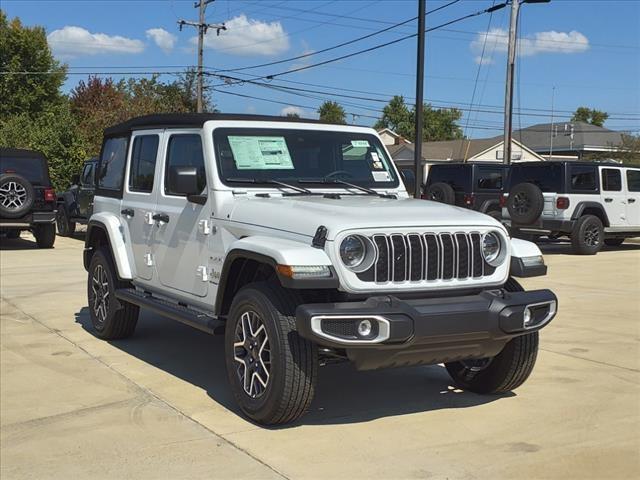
186, 315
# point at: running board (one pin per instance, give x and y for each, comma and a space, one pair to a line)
186, 315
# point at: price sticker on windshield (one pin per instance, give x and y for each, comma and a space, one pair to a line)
360, 143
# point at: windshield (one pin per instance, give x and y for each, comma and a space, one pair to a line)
302, 156
30, 168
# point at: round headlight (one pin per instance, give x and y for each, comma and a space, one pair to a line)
353, 251
492, 249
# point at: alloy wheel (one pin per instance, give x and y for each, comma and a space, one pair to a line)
252, 353
12, 195
100, 290
592, 235
521, 203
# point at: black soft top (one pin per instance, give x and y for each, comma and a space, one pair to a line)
168, 120
29, 163
6, 152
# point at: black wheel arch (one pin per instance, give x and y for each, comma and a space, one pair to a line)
591, 208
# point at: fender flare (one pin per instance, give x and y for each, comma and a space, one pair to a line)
521, 249
67, 201
487, 204
112, 227
582, 206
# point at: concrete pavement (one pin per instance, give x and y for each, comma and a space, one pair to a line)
157, 405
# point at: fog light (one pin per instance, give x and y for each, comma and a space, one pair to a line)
527, 317
364, 328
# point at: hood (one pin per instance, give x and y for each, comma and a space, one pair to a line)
304, 214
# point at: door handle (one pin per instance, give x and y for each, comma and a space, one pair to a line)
161, 217
631, 200
128, 212
608, 200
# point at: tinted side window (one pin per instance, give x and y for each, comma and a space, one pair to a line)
611, 180
143, 163
633, 180
185, 151
489, 178
112, 163
547, 176
583, 178
458, 176
87, 175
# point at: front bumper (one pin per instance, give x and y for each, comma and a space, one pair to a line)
29, 220
426, 331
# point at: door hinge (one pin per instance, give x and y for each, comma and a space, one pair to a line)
206, 227
203, 273
148, 218
148, 259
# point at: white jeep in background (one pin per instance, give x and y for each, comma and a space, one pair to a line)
299, 242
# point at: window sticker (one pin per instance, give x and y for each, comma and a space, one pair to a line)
360, 143
260, 153
377, 163
381, 176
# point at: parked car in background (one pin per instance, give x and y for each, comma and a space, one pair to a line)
593, 203
474, 185
75, 205
27, 199
297, 241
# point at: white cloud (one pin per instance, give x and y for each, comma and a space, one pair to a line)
291, 109
246, 37
72, 41
165, 40
483, 60
540, 42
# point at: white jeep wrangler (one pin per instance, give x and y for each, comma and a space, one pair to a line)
298, 241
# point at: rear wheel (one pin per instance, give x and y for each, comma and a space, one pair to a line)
112, 319
613, 242
272, 370
504, 372
45, 235
16, 195
525, 203
65, 227
587, 236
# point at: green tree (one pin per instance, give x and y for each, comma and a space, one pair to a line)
590, 115
332, 112
25, 49
438, 124
292, 115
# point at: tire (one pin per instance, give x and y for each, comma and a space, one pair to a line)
613, 242
112, 319
12, 234
525, 203
16, 196
441, 192
587, 237
65, 227
504, 372
292, 360
45, 235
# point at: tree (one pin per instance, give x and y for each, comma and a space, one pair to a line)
438, 124
292, 115
332, 112
25, 49
590, 115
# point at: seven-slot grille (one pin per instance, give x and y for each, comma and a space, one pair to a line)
426, 257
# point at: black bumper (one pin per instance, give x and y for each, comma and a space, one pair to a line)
29, 220
426, 331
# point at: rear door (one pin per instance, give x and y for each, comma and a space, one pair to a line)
86, 190
613, 196
633, 197
139, 198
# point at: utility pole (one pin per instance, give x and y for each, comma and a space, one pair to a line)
508, 96
419, 100
553, 97
202, 27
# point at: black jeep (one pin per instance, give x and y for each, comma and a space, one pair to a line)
76, 204
474, 185
27, 199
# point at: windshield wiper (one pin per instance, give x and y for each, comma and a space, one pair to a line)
328, 181
270, 181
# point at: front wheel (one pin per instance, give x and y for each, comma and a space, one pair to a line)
272, 370
504, 372
65, 227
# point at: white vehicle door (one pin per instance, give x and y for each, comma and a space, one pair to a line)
614, 199
633, 197
139, 198
180, 246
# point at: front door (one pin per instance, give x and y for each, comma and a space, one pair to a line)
183, 228
633, 197
613, 197
139, 198
86, 190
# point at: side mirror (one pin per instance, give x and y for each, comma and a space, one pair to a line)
184, 181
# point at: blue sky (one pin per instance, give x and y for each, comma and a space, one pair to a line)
589, 50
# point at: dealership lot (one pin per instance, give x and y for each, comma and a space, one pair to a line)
157, 404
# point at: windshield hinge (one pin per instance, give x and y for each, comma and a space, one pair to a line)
320, 238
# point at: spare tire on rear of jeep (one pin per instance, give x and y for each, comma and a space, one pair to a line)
16, 195
441, 192
525, 203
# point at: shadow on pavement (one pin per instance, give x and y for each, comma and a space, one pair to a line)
563, 247
343, 395
19, 243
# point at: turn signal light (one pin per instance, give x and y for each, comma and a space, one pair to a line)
503, 201
469, 199
562, 203
49, 195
